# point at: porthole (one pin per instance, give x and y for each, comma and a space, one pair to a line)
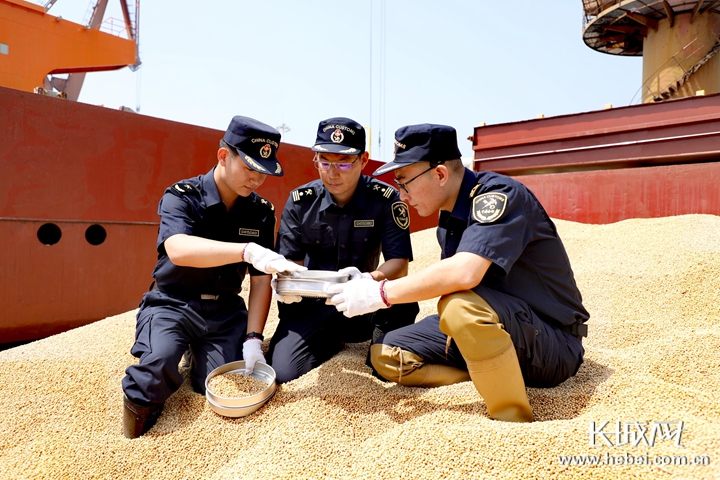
95, 234
49, 234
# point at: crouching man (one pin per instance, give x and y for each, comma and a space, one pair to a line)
213, 229
509, 314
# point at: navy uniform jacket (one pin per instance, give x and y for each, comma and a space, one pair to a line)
315, 230
194, 207
500, 219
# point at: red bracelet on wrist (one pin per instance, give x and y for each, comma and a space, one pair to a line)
383, 295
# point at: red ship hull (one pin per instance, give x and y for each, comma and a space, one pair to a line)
82, 170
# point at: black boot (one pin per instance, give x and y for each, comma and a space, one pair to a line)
138, 419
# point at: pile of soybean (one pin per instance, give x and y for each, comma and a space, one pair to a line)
644, 404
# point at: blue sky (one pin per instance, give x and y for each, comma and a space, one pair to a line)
295, 63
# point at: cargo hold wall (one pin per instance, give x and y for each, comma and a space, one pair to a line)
641, 161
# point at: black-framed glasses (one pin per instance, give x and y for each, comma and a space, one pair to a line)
404, 185
339, 166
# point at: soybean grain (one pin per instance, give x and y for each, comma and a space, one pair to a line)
236, 385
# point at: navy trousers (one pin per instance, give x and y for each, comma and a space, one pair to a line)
310, 332
548, 356
166, 327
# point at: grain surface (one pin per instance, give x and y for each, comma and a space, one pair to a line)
652, 287
235, 385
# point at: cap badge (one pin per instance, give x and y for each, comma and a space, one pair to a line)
265, 151
337, 136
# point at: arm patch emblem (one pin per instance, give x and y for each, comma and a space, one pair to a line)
489, 207
401, 215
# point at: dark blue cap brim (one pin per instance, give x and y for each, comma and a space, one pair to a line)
335, 148
268, 166
389, 167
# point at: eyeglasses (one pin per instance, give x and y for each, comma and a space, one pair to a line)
339, 166
404, 185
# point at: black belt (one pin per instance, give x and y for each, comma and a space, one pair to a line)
221, 296
577, 330
202, 296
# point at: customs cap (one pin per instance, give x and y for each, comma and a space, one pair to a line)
425, 142
256, 143
340, 135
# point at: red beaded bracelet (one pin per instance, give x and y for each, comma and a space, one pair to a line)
383, 295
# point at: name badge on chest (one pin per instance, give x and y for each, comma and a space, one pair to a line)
249, 232
364, 223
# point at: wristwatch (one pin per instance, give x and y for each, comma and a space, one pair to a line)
254, 335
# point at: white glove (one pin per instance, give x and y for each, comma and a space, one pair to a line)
356, 297
354, 273
268, 261
252, 353
283, 298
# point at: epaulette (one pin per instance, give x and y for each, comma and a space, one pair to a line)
181, 188
303, 193
382, 189
474, 190
265, 202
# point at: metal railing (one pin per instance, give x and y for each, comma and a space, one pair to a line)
592, 8
116, 27
673, 79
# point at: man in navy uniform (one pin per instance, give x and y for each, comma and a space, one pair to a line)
213, 228
343, 221
510, 313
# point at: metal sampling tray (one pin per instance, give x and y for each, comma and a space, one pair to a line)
310, 283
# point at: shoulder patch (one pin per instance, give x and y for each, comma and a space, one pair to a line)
475, 189
401, 215
266, 203
303, 194
385, 191
181, 188
489, 207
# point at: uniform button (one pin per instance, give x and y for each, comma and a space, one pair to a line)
342, 246
365, 240
344, 216
317, 241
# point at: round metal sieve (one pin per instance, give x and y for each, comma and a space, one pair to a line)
241, 406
